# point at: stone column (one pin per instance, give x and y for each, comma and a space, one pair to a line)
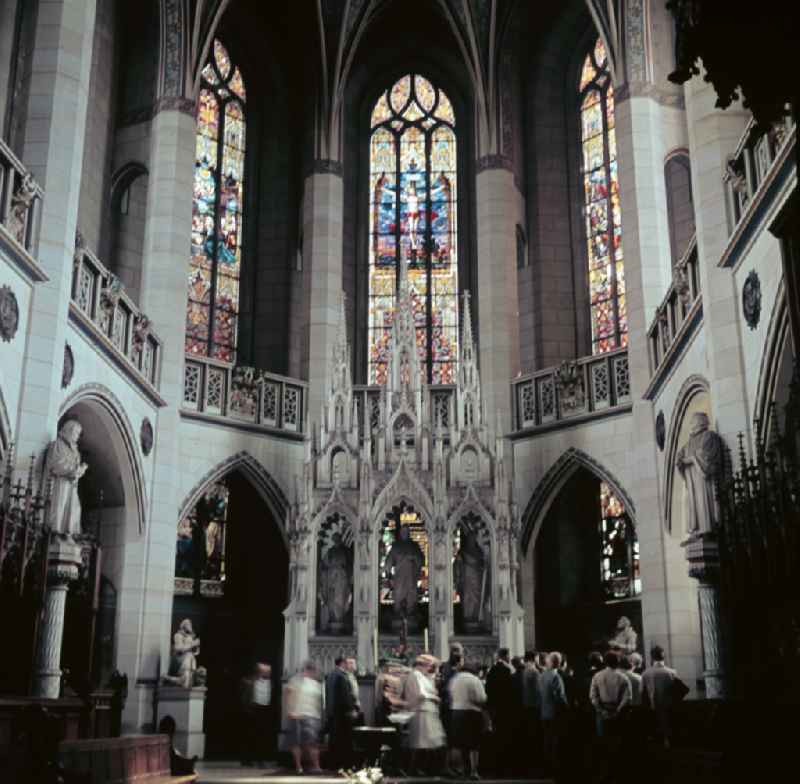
322, 271
64, 558
496, 296
53, 150
702, 553
146, 597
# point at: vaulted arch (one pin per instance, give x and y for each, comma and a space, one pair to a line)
552, 482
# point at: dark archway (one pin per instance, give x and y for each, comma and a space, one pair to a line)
579, 593
239, 619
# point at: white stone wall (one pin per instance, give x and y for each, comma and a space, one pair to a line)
13, 353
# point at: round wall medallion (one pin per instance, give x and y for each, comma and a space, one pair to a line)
68, 368
9, 314
146, 436
751, 299
661, 430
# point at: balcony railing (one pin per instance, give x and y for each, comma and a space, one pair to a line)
20, 200
576, 389
442, 402
244, 394
678, 307
99, 297
752, 166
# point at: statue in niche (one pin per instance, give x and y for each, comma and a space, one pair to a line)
185, 650
699, 462
404, 564
625, 639
470, 575
64, 469
336, 570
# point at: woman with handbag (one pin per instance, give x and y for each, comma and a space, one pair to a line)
468, 717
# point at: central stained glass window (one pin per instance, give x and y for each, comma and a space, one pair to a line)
602, 210
213, 305
413, 218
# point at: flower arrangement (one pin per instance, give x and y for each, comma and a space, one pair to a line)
363, 776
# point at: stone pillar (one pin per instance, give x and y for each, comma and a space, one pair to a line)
146, 598
186, 706
702, 553
64, 558
496, 296
53, 150
713, 136
322, 269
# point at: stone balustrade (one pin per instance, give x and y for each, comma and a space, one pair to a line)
581, 389
244, 395
678, 312
20, 201
106, 312
752, 167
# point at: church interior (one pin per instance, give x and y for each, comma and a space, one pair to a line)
356, 328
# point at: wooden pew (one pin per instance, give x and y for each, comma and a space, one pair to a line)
130, 758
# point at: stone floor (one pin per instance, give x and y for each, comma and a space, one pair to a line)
232, 773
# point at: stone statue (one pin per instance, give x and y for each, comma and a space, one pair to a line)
335, 582
404, 564
699, 462
626, 638
185, 650
470, 577
64, 469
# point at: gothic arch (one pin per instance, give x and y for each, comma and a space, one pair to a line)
404, 486
113, 413
269, 490
334, 505
552, 482
778, 340
470, 503
691, 387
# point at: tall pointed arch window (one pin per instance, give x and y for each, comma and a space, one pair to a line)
213, 301
412, 220
602, 212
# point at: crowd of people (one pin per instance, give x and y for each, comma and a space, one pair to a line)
524, 717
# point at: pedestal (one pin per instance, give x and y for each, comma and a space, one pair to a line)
186, 706
64, 558
702, 553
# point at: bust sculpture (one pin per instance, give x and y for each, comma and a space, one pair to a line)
335, 582
404, 564
626, 638
64, 469
185, 650
699, 462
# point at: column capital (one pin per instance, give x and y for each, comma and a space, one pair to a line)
175, 103
702, 553
325, 166
493, 161
63, 561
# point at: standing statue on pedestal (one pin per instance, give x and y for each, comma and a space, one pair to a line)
699, 462
404, 565
469, 573
185, 650
335, 582
64, 469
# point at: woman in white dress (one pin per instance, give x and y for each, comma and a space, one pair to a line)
425, 731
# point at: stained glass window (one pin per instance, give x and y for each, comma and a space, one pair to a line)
201, 541
213, 304
413, 218
619, 560
603, 216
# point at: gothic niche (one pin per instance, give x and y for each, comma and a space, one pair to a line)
335, 577
404, 590
472, 579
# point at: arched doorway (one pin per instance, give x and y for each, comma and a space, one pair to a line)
231, 580
586, 569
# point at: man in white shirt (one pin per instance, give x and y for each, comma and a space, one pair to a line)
259, 716
658, 692
305, 716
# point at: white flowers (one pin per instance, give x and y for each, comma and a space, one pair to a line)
363, 776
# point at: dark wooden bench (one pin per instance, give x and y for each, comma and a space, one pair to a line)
130, 758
